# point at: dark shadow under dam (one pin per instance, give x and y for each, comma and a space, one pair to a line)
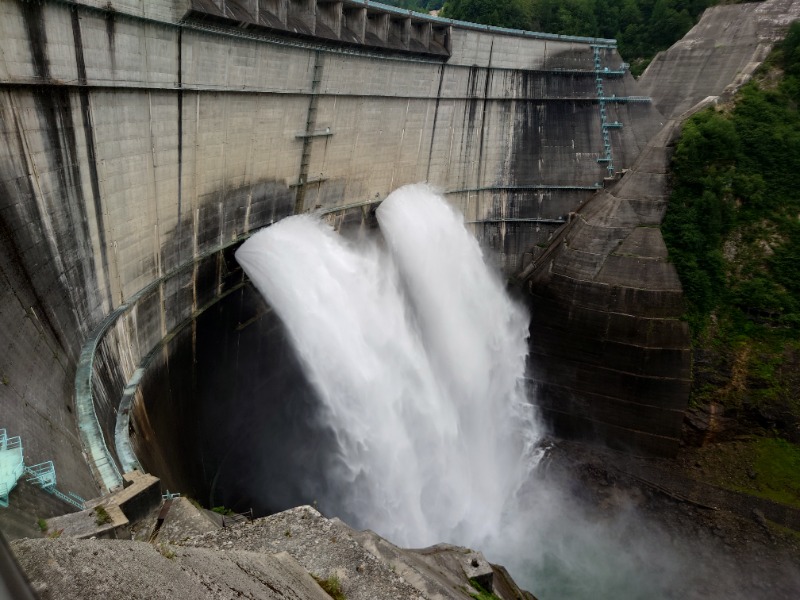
227, 416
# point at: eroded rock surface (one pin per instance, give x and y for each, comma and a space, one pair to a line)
277, 557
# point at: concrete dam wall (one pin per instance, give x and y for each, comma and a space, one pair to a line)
142, 141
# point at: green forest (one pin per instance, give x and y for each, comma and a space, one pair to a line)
641, 27
422, 6
733, 233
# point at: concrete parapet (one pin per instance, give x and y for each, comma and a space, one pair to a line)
343, 21
112, 515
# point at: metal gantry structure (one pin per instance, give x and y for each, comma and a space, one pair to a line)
12, 468
600, 73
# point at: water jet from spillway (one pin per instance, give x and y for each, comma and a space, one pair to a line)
418, 357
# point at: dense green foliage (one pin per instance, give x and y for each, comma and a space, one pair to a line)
733, 232
641, 27
766, 467
332, 586
514, 14
778, 464
732, 226
481, 593
422, 6
101, 516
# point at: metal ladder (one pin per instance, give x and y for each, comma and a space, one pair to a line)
309, 134
606, 156
44, 475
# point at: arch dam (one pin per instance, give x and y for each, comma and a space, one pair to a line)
143, 141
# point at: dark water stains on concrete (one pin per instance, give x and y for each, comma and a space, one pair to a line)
78, 41
180, 134
224, 215
12, 266
54, 108
484, 115
88, 133
32, 14
36, 272
435, 119
528, 117
110, 35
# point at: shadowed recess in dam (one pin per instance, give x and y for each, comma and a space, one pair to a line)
418, 357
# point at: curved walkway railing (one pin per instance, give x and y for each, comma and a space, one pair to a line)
101, 461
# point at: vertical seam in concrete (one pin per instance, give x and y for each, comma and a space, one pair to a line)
487, 84
311, 121
180, 142
435, 119
88, 133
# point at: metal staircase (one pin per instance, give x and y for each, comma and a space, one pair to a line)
12, 467
308, 136
11, 464
600, 74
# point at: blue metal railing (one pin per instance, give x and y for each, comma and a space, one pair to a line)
606, 157
11, 464
12, 467
44, 475
602, 42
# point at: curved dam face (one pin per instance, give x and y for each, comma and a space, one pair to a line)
248, 434
143, 141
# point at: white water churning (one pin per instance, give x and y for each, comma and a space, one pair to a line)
418, 357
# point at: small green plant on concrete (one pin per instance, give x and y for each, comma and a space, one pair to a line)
4, 380
332, 586
222, 510
101, 516
166, 551
481, 594
42, 523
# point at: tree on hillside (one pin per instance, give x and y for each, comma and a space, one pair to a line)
642, 27
514, 14
422, 6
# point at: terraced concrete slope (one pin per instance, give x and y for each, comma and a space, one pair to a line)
610, 355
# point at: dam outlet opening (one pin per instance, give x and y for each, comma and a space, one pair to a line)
379, 375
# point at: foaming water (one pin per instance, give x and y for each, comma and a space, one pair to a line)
418, 356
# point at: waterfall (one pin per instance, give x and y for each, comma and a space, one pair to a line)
417, 355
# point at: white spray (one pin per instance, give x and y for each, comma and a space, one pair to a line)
418, 357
